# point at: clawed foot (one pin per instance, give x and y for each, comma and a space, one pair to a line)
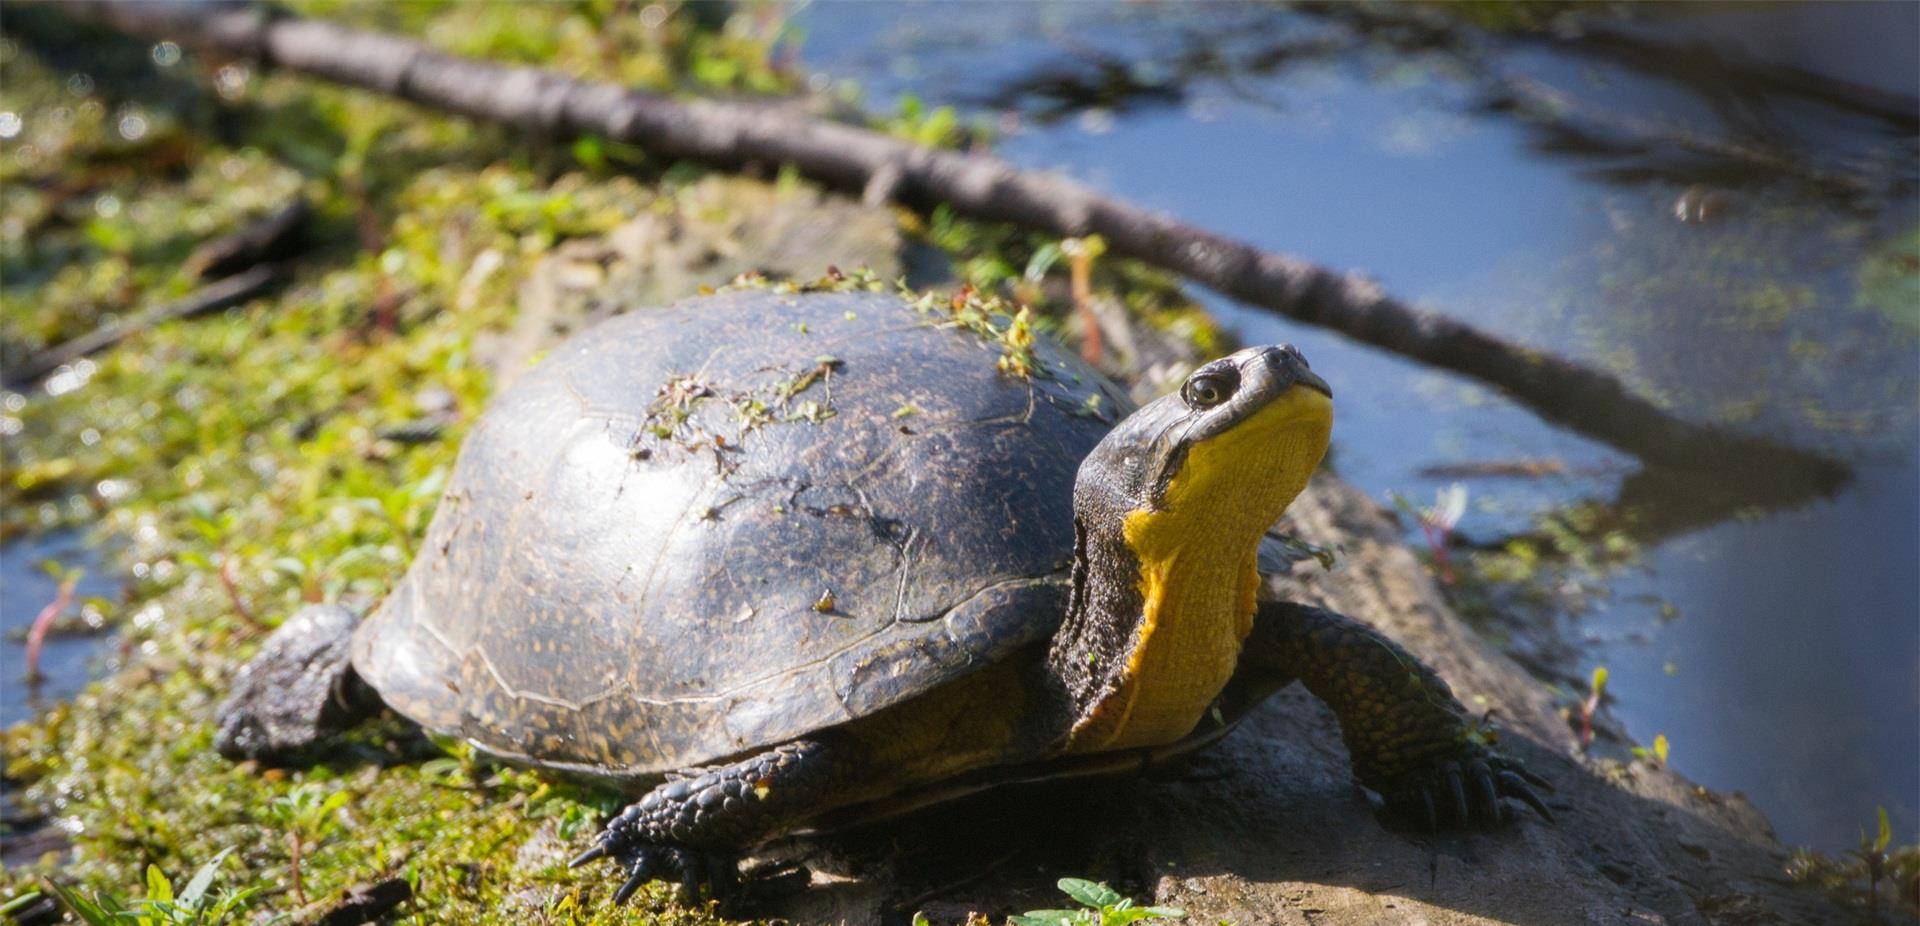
1465, 792
700, 874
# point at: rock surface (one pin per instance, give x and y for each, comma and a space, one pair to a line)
1266, 827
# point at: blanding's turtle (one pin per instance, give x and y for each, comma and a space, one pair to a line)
770, 557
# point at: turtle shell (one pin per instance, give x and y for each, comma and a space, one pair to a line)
698, 530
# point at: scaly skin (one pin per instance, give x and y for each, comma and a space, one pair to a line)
1410, 740
693, 828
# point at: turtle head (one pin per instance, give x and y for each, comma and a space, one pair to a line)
1168, 513
1222, 456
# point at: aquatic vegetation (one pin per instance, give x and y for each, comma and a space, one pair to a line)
1590, 706
1856, 879
1527, 585
1022, 267
1437, 524
1657, 753
936, 127
43, 622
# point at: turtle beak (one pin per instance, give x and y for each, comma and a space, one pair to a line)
1289, 366
1312, 381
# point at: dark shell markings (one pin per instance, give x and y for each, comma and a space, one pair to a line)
695, 531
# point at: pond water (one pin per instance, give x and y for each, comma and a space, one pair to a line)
26, 587
1718, 206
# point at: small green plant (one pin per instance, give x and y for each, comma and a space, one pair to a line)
1657, 753
1873, 856
938, 127
1854, 879
307, 813
1596, 691
1104, 907
193, 906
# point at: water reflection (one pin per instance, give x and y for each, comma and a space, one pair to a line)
1727, 118
1717, 206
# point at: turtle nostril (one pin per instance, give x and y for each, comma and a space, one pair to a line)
1286, 357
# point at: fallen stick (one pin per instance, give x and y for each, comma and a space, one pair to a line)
211, 298
277, 237
880, 167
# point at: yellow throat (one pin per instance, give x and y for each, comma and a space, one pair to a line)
1198, 571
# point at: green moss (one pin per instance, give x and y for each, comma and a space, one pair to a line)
995, 319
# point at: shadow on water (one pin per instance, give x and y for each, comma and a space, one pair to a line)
1715, 203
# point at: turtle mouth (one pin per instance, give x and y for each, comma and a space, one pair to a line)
1288, 367
1312, 381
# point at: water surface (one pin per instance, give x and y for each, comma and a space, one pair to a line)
26, 587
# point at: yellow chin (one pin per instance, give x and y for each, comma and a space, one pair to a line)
1198, 573
1240, 481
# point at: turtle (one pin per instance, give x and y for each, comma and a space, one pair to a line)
769, 558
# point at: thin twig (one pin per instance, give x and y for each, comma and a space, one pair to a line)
232, 589
277, 237
299, 887
42, 623
214, 297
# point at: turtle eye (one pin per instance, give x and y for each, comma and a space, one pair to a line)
1210, 388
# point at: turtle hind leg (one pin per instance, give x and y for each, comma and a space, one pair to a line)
694, 827
299, 690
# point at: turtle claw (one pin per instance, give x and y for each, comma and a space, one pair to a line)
693, 875
633, 883
1457, 789
1486, 793
711, 875
1515, 785
1431, 814
1513, 767
1467, 792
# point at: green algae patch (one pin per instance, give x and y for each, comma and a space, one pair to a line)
994, 319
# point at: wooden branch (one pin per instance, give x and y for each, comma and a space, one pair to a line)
210, 298
274, 238
736, 133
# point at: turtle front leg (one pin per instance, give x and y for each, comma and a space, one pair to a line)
693, 828
1411, 741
